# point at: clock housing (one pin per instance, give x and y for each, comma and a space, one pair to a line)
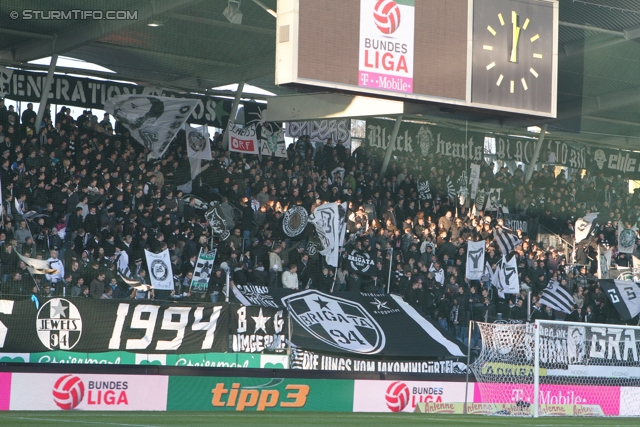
514, 54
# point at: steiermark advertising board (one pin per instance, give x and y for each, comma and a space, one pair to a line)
212, 360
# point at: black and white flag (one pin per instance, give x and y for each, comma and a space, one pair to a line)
451, 190
217, 223
487, 274
626, 238
475, 260
556, 297
360, 262
122, 263
463, 192
295, 221
480, 198
506, 239
203, 271
152, 120
424, 190
135, 284
272, 142
474, 179
198, 146
326, 218
38, 266
505, 278
624, 297
604, 261
160, 271
494, 200
584, 225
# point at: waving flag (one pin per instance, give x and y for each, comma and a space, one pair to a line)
152, 120
556, 297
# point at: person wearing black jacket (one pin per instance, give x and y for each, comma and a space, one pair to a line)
415, 295
259, 276
217, 282
325, 281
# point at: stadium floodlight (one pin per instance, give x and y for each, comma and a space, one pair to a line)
232, 12
155, 24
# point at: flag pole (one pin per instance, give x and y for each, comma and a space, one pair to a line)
390, 252
335, 276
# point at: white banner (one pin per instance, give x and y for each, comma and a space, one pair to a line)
626, 238
326, 218
272, 143
386, 45
474, 179
152, 120
243, 140
475, 260
493, 200
510, 272
198, 146
604, 261
322, 130
160, 272
583, 226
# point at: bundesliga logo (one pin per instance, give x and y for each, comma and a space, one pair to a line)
69, 392
387, 16
397, 396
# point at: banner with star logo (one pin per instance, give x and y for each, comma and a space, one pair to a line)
258, 329
365, 324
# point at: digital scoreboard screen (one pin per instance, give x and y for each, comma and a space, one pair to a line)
490, 54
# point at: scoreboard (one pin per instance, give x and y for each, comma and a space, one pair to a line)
488, 54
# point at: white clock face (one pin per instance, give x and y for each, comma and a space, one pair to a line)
512, 53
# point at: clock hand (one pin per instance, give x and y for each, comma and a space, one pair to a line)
516, 37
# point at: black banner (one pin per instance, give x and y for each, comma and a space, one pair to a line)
88, 325
258, 329
615, 162
307, 360
361, 324
424, 139
360, 262
26, 86
557, 152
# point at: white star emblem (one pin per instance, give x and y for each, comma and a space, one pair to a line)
379, 304
57, 309
261, 321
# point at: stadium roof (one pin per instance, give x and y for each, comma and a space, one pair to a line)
196, 48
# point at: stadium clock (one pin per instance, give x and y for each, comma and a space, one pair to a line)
512, 62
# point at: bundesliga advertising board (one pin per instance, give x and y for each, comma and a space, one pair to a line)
404, 396
83, 392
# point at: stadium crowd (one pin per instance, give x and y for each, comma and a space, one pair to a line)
98, 194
